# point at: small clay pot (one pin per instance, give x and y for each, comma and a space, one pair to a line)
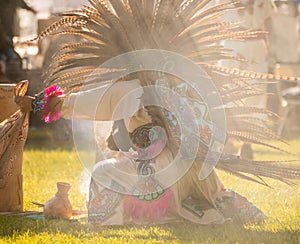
59, 206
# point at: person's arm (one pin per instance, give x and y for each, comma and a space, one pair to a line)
111, 102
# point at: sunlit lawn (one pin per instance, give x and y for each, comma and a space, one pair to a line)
43, 168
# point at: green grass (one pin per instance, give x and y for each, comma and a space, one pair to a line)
42, 168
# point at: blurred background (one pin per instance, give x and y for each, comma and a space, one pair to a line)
21, 20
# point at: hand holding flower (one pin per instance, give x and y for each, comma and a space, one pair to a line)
50, 101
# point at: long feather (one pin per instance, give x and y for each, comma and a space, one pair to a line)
269, 169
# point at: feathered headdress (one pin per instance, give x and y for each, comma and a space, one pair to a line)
109, 28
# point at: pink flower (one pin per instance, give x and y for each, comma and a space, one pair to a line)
49, 115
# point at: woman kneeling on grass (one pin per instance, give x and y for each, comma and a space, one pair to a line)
136, 195
158, 175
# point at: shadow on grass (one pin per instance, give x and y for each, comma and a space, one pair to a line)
11, 227
231, 233
46, 140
